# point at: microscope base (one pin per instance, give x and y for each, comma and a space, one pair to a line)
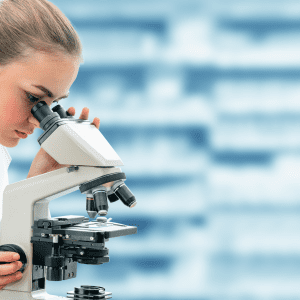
38, 295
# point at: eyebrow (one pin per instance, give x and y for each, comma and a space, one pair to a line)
47, 92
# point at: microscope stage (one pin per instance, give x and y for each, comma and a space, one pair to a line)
109, 229
79, 229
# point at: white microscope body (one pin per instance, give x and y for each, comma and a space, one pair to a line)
70, 142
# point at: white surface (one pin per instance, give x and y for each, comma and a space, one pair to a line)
5, 160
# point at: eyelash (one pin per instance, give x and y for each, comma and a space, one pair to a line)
30, 96
37, 98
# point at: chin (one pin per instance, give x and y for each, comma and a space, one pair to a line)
9, 143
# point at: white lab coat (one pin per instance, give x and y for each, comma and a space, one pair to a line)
5, 160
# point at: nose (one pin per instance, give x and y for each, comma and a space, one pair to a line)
33, 121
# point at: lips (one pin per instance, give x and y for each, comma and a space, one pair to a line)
25, 132
21, 135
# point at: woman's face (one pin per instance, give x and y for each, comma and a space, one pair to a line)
19, 80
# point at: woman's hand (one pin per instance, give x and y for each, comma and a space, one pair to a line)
43, 162
9, 272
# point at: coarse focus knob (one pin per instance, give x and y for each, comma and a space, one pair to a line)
17, 249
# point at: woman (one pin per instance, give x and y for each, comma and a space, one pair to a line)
40, 55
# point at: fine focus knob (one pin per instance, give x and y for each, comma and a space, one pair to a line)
17, 249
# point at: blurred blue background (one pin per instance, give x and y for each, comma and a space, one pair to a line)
200, 99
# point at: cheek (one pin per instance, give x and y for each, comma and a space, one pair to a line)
11, 116
15, 110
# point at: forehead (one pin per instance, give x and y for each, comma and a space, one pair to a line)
55, 72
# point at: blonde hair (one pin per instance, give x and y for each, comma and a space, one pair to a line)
35, 25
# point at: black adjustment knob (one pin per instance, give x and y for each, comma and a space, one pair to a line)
17, 249
55, 267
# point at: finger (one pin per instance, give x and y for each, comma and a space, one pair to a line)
10, 268
84, 114
8, 256
4, 280
96, 122
71, 111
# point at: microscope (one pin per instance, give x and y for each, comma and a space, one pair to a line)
50, 248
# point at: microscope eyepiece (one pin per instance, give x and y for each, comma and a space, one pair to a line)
40, 110
43, 113
61, 111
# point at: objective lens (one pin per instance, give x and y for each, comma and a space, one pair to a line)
124, 193
90, 207
112, 197
101, 204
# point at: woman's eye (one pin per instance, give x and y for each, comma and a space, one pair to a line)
32, 98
